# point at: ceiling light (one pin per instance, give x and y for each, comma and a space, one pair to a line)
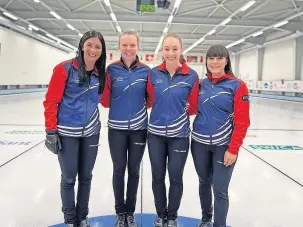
226, 21
235, 43
118, 28
248, 5
106, 2
70, 27
211, 32
55, 14
33, 27
10, 15
280, 24
257, 34
113, 16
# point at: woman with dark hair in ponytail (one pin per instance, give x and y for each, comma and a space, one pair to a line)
72, 122
218, 131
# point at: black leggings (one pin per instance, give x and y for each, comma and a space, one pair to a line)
176, 150
77, 157
126, 148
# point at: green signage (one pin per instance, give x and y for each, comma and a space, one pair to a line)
147, 8
276, 147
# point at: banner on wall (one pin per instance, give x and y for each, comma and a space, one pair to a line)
151, 58
278, 85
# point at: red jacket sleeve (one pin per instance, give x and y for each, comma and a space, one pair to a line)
241, 118
53, 96
105, 99
150, 93
193, 99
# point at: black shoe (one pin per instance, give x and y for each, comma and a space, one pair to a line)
131, 221
84, 223
120, 220
205, 222
160, 222
172, 223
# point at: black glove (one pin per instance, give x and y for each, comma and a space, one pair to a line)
52, 141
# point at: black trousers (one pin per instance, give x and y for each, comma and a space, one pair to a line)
212, 173
77, 157
172, 152
127, 149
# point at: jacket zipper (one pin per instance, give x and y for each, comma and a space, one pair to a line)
130, 100
86, 103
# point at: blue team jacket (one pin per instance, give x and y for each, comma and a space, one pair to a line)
170, 97
125, 95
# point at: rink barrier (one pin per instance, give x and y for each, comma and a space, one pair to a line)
21, 89
284, 97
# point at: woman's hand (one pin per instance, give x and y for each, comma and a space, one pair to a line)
229, 158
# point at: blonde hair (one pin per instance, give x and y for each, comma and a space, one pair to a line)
130, 32
174, 35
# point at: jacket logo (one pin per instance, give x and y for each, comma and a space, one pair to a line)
201, 92
245, 98
159, 81
119, 78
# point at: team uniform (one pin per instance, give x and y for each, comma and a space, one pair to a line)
220, 125
71, 111
168, 132
125, 95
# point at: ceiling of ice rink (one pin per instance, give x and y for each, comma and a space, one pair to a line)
237, 24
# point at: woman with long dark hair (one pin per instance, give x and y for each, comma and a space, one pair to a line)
218, 131
72, 122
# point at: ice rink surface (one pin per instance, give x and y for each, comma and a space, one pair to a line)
266, 188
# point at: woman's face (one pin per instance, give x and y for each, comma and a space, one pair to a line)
129, 47
171, 50
216, 65
92, 49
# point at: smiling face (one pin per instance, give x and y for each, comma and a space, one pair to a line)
171, 50
129, 47
216, 65
92, 49
218, 61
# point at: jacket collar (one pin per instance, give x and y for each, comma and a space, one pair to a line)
184, 69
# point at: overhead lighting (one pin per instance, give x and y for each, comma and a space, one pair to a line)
55, 14
36, 1
33, 27
80, 35
280, 24
211, 32
3, 18
106, 2
226, 21
113, 16
195, 44
119, 28
51, 36
165, 30
70, 27
257, 34
235, 43
248, 5
43, 37
170, 19
10, 15
23, 28
177, 3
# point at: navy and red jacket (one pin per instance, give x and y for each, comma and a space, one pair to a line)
223, 112
70, 109
125, 95
170, 98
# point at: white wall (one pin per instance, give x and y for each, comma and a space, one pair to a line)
25, 61
248, 63
279, 61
